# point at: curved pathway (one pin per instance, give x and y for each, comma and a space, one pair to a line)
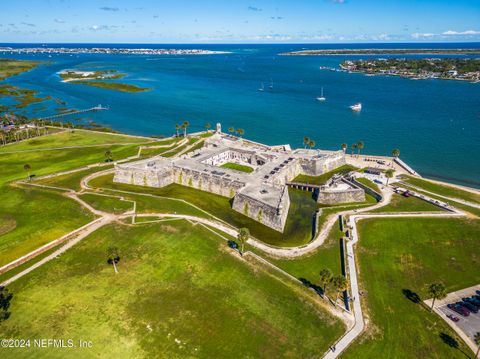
359, 324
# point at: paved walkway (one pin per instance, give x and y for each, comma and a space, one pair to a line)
452, 199
78, 235
213, 222
359, 326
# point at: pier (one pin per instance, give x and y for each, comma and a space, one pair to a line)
93, 109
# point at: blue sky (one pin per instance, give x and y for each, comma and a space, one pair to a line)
239, 21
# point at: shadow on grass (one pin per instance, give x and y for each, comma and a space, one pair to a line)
411, 296
452, 342
309, 284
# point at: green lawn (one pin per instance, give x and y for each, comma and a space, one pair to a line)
34, 218
443, 190
190, 142
309, 266
31, 217
407, 204
107, 203
178, 294
398, 257
298, 229
46, 162
368, 183
322, 179
70, 180
237, 167
473, 210
69, 138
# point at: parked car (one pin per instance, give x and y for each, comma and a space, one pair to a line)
453, 318
377, 181
470, 307
472, 300
459, 309
407, 194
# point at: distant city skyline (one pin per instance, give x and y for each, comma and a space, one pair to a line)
261, 21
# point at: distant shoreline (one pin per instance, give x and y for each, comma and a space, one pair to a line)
426, 51
108, 50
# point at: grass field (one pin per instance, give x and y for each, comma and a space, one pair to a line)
443, 190
309, 266
368, 183
237, 167
178, 294
472, 210
107, 203
69, 138
322, 179
31, 217
70, 180
298, 229
407, 204
398, 258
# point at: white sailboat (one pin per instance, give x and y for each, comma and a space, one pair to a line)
357, 107
271, 84
321, 98
262, 88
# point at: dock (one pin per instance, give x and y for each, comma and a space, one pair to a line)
92, 109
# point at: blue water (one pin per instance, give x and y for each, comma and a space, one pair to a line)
435, 123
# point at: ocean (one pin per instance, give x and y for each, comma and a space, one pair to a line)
434, 123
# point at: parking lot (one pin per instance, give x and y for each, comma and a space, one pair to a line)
466, 327
469, 325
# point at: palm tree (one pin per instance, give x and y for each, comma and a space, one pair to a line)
27, 168
396, 152
306, 141
477, 341
108, 156
344, 147
240, 132
437, 291
177, 127
360, 146
185, 125
231, 130
354, 147
113, 257
208, 126
325, 278
243, 235
311, 144
389, 174
341, 284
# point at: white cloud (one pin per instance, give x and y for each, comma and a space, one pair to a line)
59, 21
467, 32
419, 35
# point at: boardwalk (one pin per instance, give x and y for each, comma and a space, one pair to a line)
92, 109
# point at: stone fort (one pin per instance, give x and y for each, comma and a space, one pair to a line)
261, 195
